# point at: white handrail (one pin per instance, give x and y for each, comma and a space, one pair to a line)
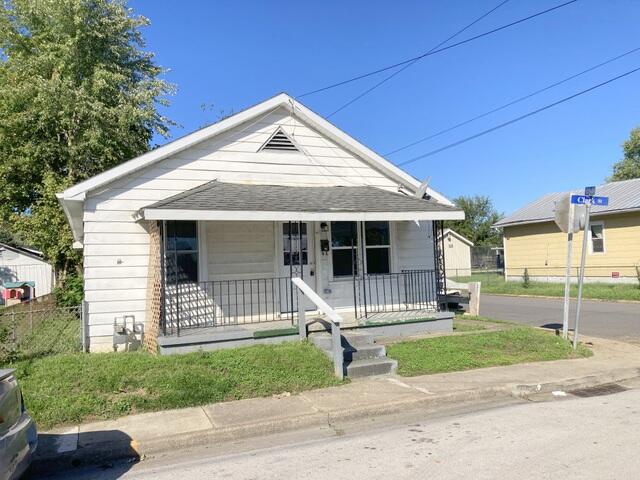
315, 298
334, 320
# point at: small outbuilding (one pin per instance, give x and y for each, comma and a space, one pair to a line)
457, 254
21, 265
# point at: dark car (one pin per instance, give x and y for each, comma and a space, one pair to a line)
18, 436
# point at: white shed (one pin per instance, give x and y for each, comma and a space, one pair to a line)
20, 264
457, 254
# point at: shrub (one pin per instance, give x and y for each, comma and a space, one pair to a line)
526, 280
70, 293
638, 274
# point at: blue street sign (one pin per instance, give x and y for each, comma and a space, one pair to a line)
590, 191
589, 200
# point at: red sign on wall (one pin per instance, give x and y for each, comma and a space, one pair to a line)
615, 274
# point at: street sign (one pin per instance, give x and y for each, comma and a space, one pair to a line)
590, 200
567, 220
590, 191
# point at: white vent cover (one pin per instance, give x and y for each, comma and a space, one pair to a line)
280, 141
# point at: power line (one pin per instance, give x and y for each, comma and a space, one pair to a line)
517, 119
386, 79
513, 102
426, 54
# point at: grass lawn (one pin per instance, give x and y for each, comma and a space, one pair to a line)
70, 388
492, 283
485, 349
462, 324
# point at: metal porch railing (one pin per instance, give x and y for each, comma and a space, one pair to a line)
227, 302
395, 292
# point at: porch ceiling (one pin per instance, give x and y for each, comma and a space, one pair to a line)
233, 201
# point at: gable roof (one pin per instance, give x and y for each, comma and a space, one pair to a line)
282, 100
219, 201
463, 239
29, 252
623, 196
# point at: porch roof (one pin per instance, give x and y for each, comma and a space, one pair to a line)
233, 201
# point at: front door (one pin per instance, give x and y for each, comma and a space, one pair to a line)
296, 254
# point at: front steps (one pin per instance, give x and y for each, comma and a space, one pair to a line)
362, 356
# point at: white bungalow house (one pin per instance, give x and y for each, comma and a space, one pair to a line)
198, 240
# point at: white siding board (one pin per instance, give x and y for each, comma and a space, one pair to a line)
116, 272
98, 296
117, 249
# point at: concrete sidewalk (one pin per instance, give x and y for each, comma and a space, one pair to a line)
152, 433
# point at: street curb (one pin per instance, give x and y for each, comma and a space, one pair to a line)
106, 453
614, 376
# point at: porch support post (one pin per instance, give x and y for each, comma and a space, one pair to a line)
290, 259
163, 293
302, 318
363, 265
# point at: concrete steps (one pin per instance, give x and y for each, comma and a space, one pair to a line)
362, 356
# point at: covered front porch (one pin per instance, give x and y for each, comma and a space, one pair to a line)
226, 274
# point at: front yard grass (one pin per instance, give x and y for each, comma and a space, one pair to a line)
485, 349
492, 283
71, 388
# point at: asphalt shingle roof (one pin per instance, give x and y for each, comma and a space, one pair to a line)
222, 196
623, 196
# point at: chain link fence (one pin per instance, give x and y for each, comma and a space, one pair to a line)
31, 330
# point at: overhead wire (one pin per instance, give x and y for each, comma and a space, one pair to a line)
517, 119
413, 62
513, 102
426, 54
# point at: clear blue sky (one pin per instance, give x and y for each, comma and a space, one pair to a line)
232, 54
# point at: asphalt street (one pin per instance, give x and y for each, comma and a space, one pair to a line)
568, 438
616, 320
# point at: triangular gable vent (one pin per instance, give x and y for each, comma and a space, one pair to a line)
280, 141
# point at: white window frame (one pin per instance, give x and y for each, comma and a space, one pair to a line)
168, 252
367, 247
590, 239
332, 248
360, 261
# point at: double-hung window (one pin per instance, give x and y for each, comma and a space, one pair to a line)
344, 243
181, 251
377, 246
345, 251
596, 234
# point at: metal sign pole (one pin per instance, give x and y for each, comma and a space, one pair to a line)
581, 278
567, 282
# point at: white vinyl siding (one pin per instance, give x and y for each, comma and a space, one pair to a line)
240, 250
414, 246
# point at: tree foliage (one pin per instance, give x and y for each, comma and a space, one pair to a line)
480, 214
629, 166
78, 95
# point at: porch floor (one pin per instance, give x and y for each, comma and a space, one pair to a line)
249, 332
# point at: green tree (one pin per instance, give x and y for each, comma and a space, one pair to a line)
78, 95
629, 166
479, 214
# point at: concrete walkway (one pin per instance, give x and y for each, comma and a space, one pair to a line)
153, 433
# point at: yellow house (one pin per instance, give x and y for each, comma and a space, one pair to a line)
533, 241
